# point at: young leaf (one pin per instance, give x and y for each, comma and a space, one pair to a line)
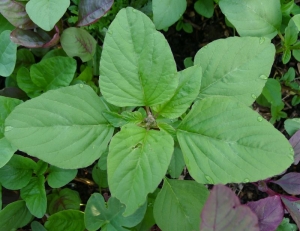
34, 195
287, 54
235, 67
25, 83
17, 173
137, 161
41, 168
224, 212
269, 212
167, 12
66, 220
178, 205
100, 176
71, 133
292, 126
16, 14
224, 141
272, 92
177, 163
290, 183
286, 226
53, 73
63, 199
90, 11
109, 216
14, 216
295, 142
78, 42
8, 57
60, 177
46, 13
291, 34
137, 67
293, 208
36, 226
253, 18
205, 8
186, 92
7, 150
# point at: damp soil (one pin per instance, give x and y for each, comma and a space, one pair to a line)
185, 45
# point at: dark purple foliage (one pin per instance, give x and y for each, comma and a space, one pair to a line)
290, 182
16, 14
90, 11
31, 39
293, 207
223, 212
13, 92
269, 212
295, 142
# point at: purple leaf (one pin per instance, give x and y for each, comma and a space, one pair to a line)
269, 212
224, 212
295, 142
290, 182
91, 10
16, 14
13, 92
293, 207
30, 39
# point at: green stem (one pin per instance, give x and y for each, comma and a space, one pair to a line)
281, 36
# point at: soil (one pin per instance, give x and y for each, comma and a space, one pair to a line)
186, 45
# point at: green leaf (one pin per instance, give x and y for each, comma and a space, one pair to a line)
24, 82
36, 226
253, 18
286, 226
224, 141
100, 176
53, 73
186, 92
235, 67
78, 42
41, 168
109, 216
291, 34
167, 12
7, 150
292, 125
46, 13
205, 8
177, 163
34, 195
17, 172
272, 92
137, 161
137, 67
64, 199
287, 55
8, 51
1, 197
179, 204
5, 25
14, 216
66, 220
296, 54
59, 177
70, 132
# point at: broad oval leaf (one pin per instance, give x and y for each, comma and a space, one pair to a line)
137, 161
46, 13
90, 11
34, 194
167, 12
269, 212
71, 132
16, 14
66, 220
290, 183
7, 150
224, 212
78, 42
137, 67
58, 177
292, 126
108, 215
178, 205
235, 67
53, 73
293, 208
31, 39
8, 54
253, 17
186, 92
224, 141
17, 173
295, 142
14, 215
